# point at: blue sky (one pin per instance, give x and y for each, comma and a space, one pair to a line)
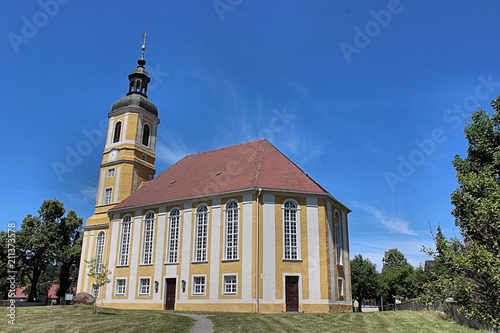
367, 97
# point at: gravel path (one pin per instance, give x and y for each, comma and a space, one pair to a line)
203, 324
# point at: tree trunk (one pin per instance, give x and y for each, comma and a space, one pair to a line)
34, 283
64, 283
359, 305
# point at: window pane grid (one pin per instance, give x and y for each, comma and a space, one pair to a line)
99, 252
230, 284
231, 251
147, 254
107, 196
125, 241
95, 290
290, 231
201, 234
173, 239
145, 284
199, 285
120, 286
338, 241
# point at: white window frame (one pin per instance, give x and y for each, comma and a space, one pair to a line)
118, 292
203, 285
233, 285
119, 132
173, 236
340, 286
231, 237
108, 196
288, 255
111, 173
338, 237
201, 232
126, 233
99, 251
95, 290
148, 239
141, 286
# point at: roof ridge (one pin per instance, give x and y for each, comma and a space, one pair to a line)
227, 147
259, 167
305, 173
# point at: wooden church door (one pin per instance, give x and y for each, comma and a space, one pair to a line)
170, 297
292, 293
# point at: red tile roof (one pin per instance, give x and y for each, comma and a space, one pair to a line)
256, 164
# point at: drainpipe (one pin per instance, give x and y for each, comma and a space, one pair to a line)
257, 279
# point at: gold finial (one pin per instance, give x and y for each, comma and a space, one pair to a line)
145, 39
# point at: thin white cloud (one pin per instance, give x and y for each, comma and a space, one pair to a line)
171, 149
391, 222
375, 249
84, 193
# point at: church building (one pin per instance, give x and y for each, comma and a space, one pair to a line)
240, 228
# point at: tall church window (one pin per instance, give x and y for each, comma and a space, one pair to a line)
291, 231
125, 241
118, 129
99, 251
338, 240
173, 236
147, 248
231, 231
107, 195
145, 135
201, 241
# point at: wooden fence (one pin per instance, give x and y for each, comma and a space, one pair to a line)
20, 304
450, 309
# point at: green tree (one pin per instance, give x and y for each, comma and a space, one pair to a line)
48, 248
69, 248
4, 285
364, 279
396, 278
98, 272
472, 265
36, 243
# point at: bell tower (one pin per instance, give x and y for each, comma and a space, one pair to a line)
129, 154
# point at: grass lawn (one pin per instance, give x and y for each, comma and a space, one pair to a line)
78, 318
398, 321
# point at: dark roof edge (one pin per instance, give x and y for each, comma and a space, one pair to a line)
153, 204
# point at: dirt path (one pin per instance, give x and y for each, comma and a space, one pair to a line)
203, 324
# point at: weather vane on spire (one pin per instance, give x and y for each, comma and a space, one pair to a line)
144, 43
145, 39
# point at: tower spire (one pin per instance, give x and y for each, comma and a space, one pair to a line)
139, 78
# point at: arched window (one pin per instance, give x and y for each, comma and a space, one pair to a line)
231, 231
173, 236
201, 241
125, 241
99, 251
145, 135
118, 129
291, 230
338, 240
147, 248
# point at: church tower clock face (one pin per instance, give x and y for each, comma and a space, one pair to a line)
113, 155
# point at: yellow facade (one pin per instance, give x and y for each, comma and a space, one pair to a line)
329, 301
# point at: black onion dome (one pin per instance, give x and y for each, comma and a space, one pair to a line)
136, 100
